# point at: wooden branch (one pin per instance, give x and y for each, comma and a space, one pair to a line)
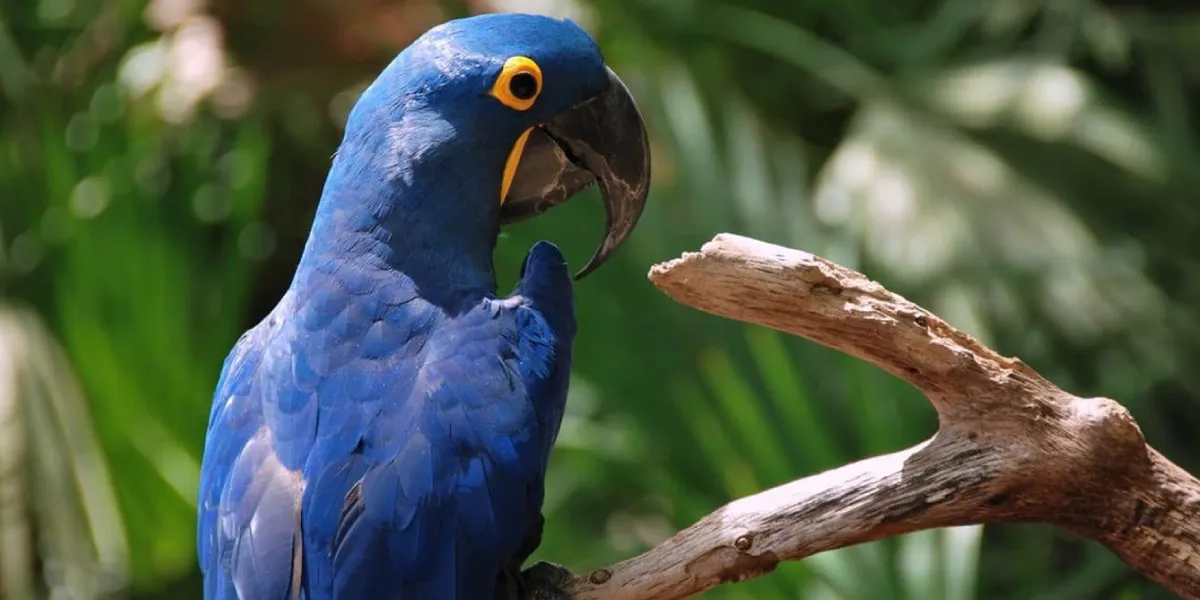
1011, 446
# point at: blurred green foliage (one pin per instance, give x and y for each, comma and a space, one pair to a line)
1026, 168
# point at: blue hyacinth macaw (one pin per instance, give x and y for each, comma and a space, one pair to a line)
383, 433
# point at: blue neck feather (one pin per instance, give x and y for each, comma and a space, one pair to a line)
408, 192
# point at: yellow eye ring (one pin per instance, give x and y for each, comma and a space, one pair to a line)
519, 83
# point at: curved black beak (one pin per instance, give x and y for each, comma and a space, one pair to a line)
602, 139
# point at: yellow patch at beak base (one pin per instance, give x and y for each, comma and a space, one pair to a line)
510, 166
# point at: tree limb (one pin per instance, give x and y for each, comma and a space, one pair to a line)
1011, 447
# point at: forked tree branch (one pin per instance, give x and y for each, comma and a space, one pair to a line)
1011, 447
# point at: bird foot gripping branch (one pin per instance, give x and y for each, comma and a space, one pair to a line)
546, 581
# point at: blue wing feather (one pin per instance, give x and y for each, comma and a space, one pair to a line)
408, 444
247, 532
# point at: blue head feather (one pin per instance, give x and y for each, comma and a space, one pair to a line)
416, 181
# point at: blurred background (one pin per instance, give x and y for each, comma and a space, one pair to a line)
1029, 169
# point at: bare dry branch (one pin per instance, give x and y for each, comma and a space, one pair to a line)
1011, 446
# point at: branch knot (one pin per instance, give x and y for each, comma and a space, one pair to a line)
1111, 440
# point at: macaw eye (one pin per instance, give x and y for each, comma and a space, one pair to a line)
523, 86
519, 83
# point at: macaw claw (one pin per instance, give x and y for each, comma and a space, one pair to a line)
545, 581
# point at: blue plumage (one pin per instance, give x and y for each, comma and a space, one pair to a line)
375, 435
384, 432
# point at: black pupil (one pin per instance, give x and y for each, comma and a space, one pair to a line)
523, 86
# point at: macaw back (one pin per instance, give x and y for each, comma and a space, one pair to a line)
367, 443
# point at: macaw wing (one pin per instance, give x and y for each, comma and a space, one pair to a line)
547, 324
451, 479
441, 495
248, 500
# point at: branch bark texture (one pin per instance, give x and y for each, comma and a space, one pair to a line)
1011, 446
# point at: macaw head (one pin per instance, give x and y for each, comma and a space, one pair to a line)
483, 122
